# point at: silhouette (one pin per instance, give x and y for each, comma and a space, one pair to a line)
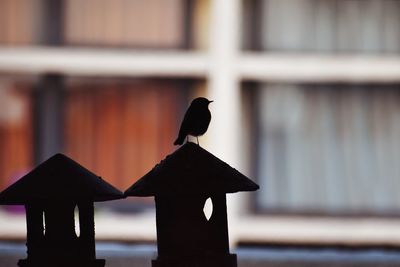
196, 120
181, 184
50, 193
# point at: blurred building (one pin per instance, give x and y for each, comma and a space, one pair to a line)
306, 102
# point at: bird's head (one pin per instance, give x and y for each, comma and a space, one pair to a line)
201, 101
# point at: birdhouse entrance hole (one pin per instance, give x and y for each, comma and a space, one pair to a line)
44, 224
208, 208
76, 220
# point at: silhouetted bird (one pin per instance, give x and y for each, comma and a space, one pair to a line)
196, 120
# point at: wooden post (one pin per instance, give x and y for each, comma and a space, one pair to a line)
87, 232
35, 230
219, 224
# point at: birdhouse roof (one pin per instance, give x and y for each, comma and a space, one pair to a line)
59, 178
191, 170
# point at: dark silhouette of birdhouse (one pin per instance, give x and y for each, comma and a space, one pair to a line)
50, 193
181, 184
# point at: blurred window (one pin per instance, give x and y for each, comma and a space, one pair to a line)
121, 129
139, 23
329, 148
119, 23
368, 26
20, 22
118, 128
16, 153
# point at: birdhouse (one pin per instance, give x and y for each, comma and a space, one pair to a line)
181, 184
51, 194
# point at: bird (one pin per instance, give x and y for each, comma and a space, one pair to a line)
196, 120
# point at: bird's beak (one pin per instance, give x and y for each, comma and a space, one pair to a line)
210, 101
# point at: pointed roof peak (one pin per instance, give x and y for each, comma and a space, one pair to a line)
62, 178
191, 170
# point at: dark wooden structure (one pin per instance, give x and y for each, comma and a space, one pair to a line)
181, 184
50, 193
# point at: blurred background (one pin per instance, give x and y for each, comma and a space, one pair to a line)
307, 104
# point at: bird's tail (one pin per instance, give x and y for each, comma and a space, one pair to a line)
179, 140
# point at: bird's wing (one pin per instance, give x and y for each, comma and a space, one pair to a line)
185, 126
187, 121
